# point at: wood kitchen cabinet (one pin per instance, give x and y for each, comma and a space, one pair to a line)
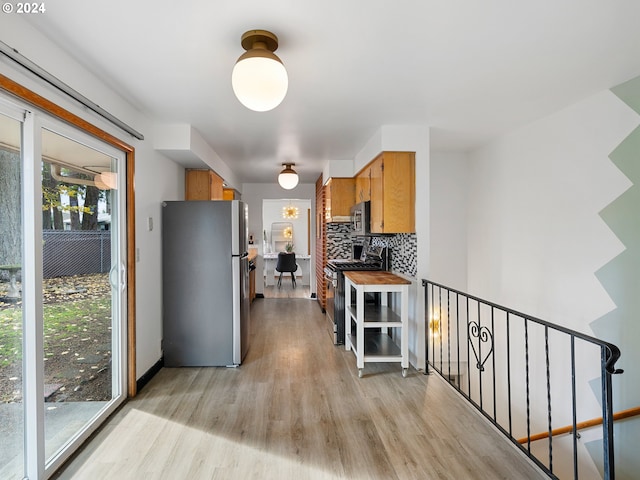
253, 253
230, 194
393, 194
203, 185
339, 198
363, 185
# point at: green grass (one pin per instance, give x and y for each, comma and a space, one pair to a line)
10, 336
62, 321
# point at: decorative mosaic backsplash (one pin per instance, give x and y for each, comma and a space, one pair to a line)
403, 247
404, 252
338, 240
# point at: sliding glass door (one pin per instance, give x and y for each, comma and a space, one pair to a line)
11, 315
66, 322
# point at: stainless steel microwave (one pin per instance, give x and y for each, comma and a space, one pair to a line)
361, 218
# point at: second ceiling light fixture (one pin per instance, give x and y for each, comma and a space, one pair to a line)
288, 177
259, 78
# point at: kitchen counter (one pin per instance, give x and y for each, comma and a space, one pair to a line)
375, 278
253, 253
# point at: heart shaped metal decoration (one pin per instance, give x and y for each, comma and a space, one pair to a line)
484, 336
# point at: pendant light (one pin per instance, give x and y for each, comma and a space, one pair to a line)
259, 78
288, 177
290, 212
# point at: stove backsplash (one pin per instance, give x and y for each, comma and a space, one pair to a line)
403, 247
338, 240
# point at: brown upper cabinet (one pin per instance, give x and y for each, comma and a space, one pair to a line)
230, 194
339, 198
363, 184
393, 192
203, 185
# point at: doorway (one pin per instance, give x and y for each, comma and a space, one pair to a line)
287, 228
63, 298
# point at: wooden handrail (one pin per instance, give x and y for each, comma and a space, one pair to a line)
632, 412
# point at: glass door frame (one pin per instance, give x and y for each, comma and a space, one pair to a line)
117, 281
54, 117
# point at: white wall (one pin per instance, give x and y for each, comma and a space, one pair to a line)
337, 168
536, 239
253, 194
156, 177
448, 190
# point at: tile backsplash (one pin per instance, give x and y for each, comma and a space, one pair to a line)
404, 252
403, 247
338, 240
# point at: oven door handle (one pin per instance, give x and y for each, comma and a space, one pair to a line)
331, 278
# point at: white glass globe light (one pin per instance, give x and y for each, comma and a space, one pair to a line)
259, 78
260, 83
288, 178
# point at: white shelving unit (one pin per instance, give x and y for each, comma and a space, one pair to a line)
373, 346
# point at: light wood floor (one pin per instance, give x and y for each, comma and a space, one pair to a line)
286, 290
296, 409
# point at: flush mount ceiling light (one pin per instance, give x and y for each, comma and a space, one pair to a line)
259, 78
288, 177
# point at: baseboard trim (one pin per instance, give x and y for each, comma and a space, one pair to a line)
149, 374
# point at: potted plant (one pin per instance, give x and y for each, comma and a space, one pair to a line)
289, 247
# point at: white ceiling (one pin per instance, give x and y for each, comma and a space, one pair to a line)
470, 69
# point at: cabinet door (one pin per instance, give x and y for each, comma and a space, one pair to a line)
196, 185
376, 185
399, 192
342, 196
202, 185
393, 193
216, 189
363, 185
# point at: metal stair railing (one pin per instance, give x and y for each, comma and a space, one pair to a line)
523, 374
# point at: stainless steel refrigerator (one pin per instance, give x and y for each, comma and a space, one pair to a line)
205, 280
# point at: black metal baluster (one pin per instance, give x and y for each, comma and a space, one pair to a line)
468, 354
607, 416
493, 361
433, 344
509, 373
479, 356
429, 309
458, 337
546, 353
574, 418
526, 380
448, 336
439, 322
